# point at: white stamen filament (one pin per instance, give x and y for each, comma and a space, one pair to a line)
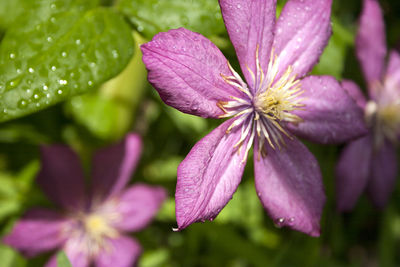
263, 110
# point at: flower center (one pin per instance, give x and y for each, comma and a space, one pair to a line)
98, 228
384, 120
265, 110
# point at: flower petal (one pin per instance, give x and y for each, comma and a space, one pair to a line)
137, 206
208, 176
250, 24
301, 33
61, 176
113, 166
371, 41
37, 231
352, 172
330, 115
355, 92
122, 251
392, 78
75, 256
383, 175
185, 68
289, 184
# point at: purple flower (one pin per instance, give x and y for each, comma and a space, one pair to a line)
91, 228
369, 163
274, 104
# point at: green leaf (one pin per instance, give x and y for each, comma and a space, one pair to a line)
50, 60
153, 16
62, 260
108, 113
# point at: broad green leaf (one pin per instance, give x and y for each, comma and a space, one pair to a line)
10, 258
108, 113
62, 260
155, 258
153, 16
65, 55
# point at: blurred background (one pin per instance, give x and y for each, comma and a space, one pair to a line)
112, 97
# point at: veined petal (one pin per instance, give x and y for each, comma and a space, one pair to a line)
289, 184
61, 176
122, 251
383, 175
301, 33
209, 175
352, 172
250, 24
38, 231
112, 166
137, 206
371, 41
355, 92
185, 68
330, 115
392, 78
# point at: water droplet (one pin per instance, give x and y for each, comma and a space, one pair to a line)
12, 55
48, 95
37, 104
115, 54
22, 103
53, 20
78, 41
19, 71
5, 111
59, 92
64, 54
31, 70
45, 87
28, 91
36, 96
53, 6
63, 82
90, 83
92, 64
140, 28
53, 68
49, 39
72, 74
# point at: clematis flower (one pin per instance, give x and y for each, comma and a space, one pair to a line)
274, 103
369, 163
91, 230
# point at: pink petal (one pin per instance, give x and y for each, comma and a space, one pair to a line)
250, 24
301, 33
37, 231
371, 41
122, 251
75, 256
61, 176
383, 175
209, 175
137, 206
289, 184
392, 78
113, 166
352, 172
330, 115
185, 68
355, 92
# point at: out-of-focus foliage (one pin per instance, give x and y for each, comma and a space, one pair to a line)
59, 49
153, 16
62, 260
242, 235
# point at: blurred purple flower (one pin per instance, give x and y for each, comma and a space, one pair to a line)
277, 103
369, 163
90, 230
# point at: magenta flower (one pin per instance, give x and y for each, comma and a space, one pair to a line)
369, 163
91, 229
274, 104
